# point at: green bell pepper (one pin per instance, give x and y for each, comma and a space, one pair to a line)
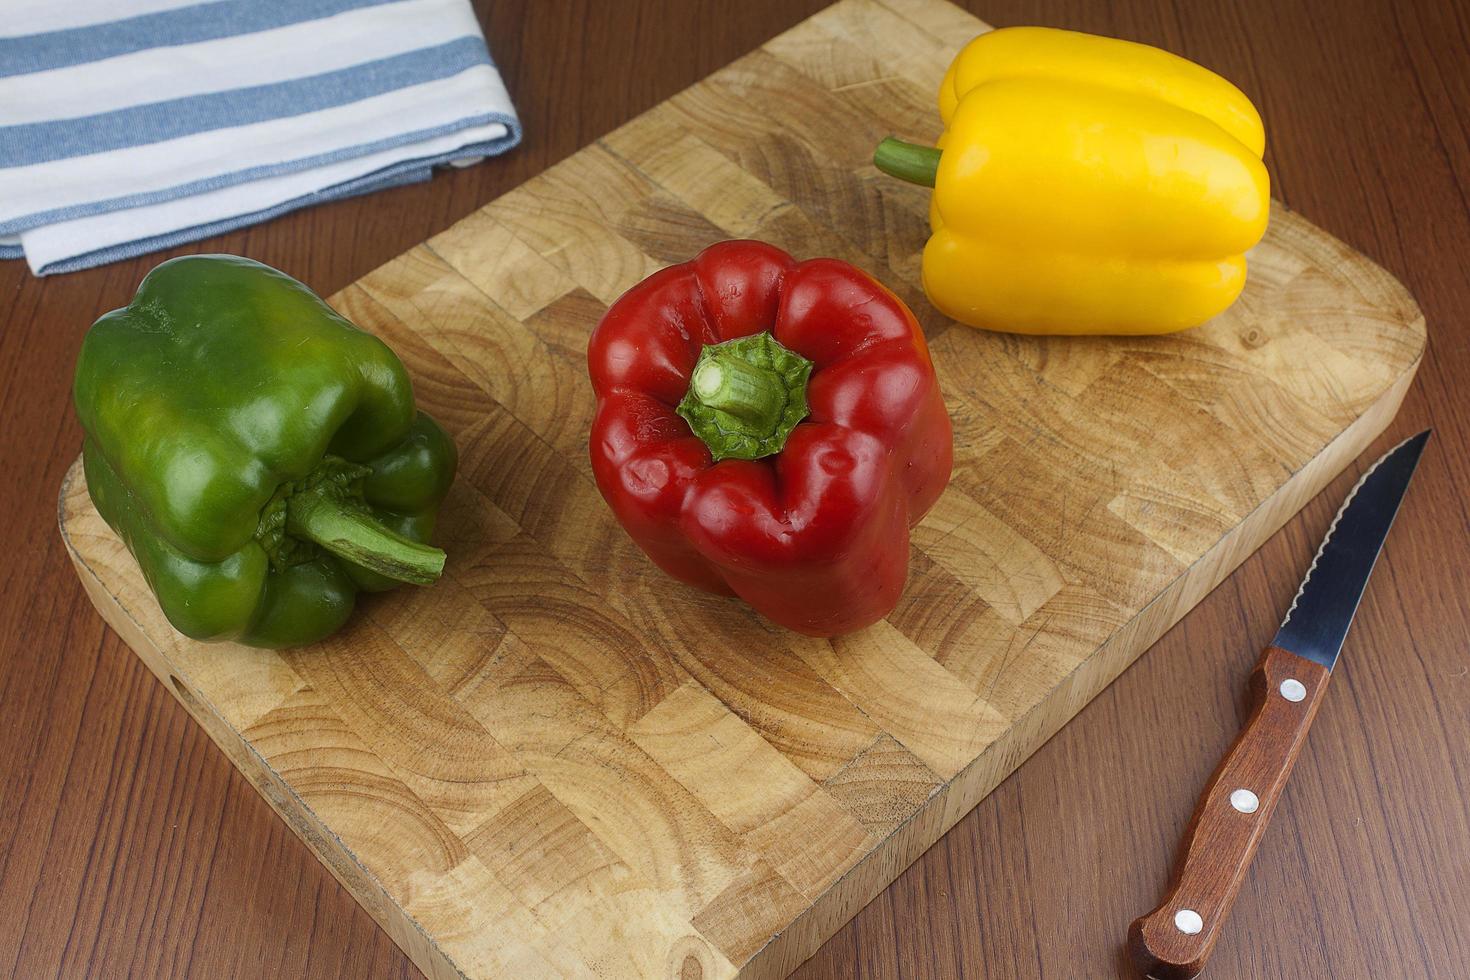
260, 456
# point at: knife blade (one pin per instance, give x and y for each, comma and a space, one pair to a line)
1174, 941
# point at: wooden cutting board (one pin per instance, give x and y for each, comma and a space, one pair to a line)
558, 762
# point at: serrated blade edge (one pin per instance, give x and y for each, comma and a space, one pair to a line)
1320, 613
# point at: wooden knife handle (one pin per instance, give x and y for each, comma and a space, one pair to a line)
1173, 941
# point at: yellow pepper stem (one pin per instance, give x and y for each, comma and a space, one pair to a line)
907, 161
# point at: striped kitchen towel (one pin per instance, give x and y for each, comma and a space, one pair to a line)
133, 125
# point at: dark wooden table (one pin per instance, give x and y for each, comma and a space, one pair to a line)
130, 846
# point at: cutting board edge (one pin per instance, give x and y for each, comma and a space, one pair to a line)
880, 867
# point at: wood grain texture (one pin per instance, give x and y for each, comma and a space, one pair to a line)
563, 764
1224, 832
132, 847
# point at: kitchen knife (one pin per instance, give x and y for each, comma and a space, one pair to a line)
1173, 941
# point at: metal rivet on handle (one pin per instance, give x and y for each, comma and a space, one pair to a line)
1244, 800
1188, 922
1293, 689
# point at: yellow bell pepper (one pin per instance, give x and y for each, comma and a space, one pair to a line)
1086, 185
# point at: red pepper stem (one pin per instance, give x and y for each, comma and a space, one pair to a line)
746, 396
739, 388
907, 161
350, 532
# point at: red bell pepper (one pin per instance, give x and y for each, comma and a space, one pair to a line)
772, 429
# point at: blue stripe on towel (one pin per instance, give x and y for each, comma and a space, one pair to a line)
154, 122
407, 172
510, 139
204, 22
394, 177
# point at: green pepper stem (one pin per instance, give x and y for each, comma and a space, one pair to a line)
739, 388
350, 532
907, 161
